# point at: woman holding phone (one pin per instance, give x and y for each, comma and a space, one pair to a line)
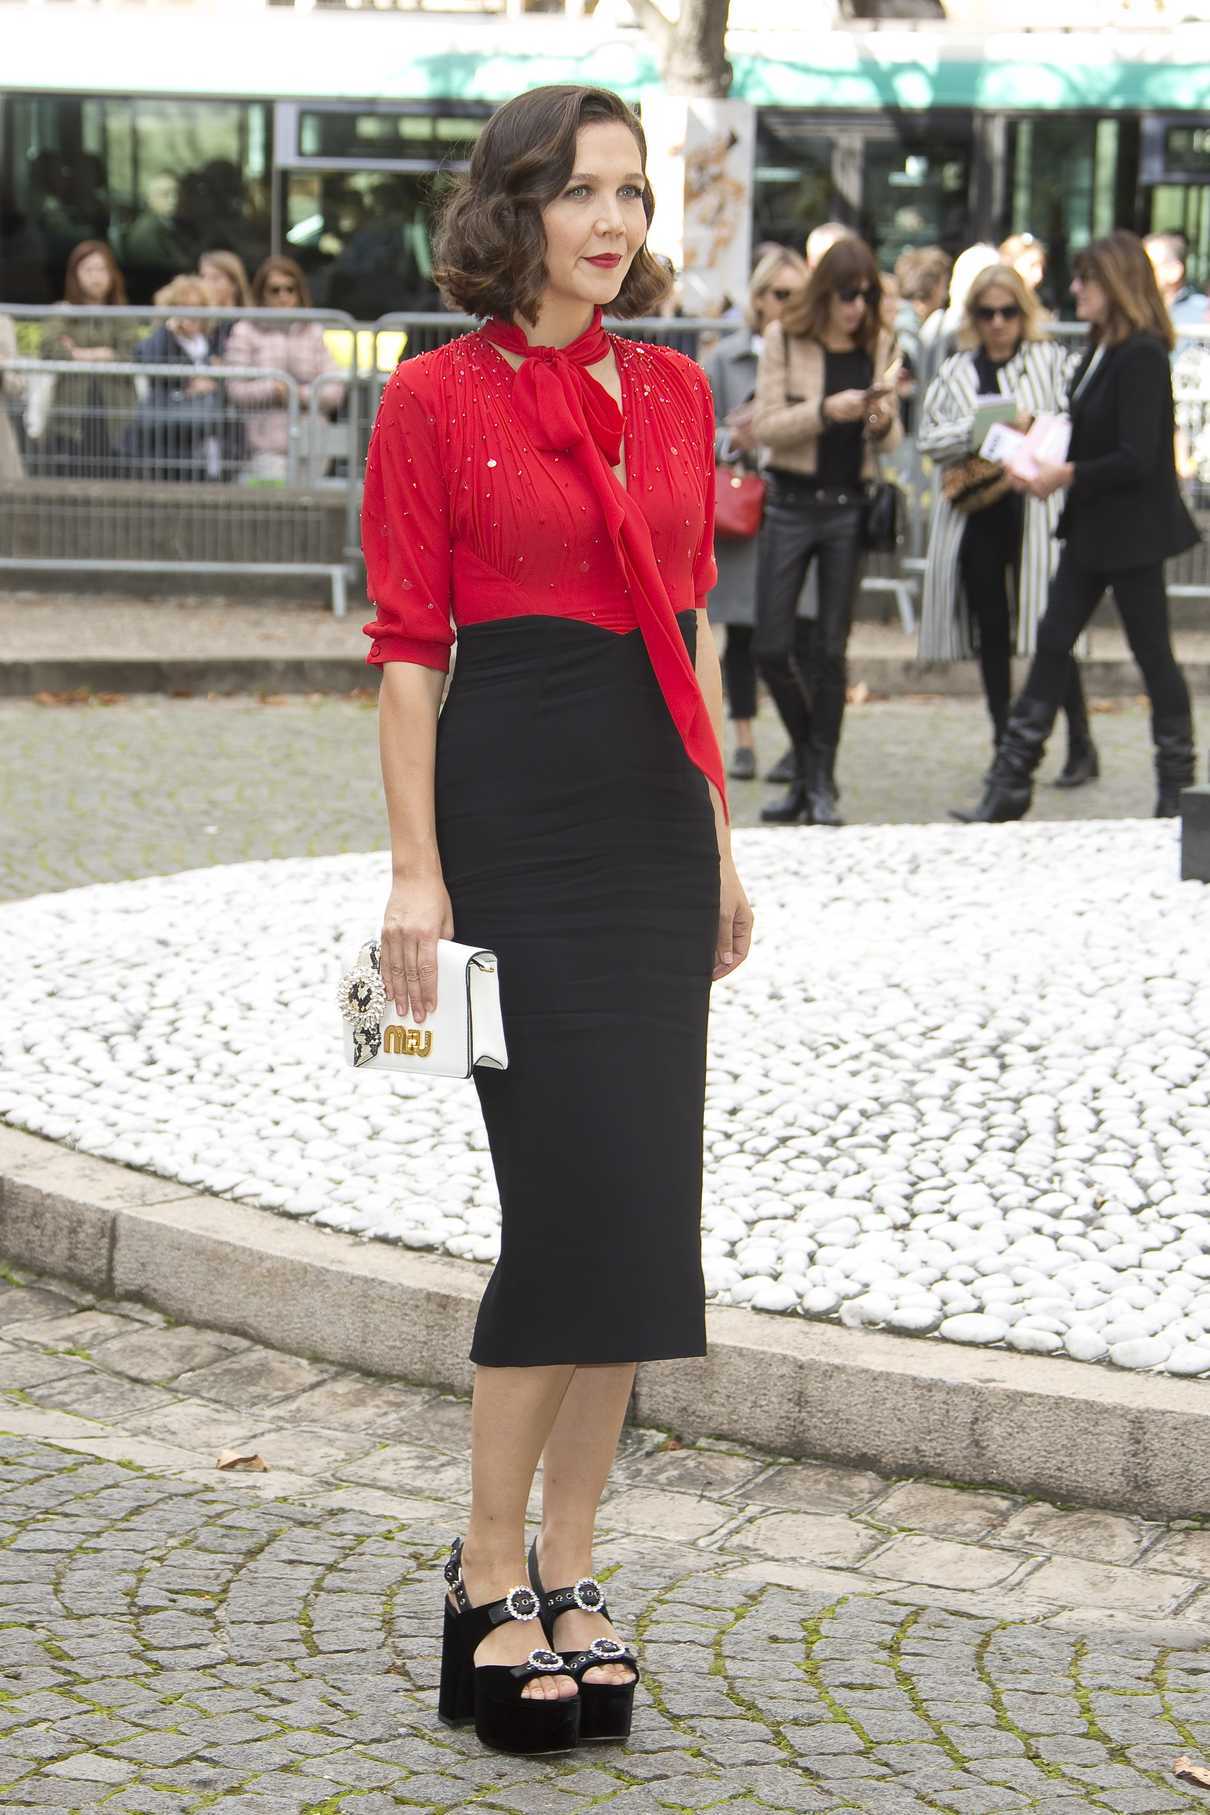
826, 404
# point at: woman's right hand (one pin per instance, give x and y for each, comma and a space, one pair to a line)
418, 913
845, 406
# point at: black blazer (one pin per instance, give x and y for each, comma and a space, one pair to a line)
1124, 508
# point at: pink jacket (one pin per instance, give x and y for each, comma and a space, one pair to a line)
297, 349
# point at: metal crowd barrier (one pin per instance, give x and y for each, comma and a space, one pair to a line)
117, 465
106, 467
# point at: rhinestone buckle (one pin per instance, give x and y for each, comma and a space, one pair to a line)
362, 997
522, 1603
609, 1648
588, 1594
541, 1659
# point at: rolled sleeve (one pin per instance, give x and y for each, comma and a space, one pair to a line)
405, 530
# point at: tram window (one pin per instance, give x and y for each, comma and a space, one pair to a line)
379, 133
1065, 186
363, 238
161, 181
792, 181
914, 195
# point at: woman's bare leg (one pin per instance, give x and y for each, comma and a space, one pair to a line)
512, 1412
575, 1467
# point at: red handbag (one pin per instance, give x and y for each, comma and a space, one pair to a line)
739, 503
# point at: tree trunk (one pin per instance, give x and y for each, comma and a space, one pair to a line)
693, 60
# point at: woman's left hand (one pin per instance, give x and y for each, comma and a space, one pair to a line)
1051, 478
734, 923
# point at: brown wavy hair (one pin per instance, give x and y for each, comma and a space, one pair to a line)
1119, 263
849, 263
287, 267
490, 245
72, 293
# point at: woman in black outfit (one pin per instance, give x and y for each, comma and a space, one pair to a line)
544, 491
1123, 518
825, 403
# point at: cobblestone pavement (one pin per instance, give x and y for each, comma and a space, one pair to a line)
173, 1638
100, 793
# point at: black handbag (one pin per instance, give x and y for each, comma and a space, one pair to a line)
881, 517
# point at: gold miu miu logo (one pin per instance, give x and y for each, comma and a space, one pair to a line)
410, 1041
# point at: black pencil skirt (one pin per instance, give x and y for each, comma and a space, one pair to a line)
577, 841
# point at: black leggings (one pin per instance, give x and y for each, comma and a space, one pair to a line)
1142, 602
739, 671
990, 546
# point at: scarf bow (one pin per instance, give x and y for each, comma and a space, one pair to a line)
566, 411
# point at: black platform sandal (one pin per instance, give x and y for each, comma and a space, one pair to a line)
605, 1708
491, 1694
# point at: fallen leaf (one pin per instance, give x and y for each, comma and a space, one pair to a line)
1198, 1774
242, 1458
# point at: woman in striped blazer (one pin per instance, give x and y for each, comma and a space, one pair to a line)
986, 582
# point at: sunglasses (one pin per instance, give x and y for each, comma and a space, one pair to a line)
852, 292
1004, 312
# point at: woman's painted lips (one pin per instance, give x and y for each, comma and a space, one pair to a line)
606, 260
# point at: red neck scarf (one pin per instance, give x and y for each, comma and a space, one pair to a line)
566, 411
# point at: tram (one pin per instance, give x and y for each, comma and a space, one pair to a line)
330, 137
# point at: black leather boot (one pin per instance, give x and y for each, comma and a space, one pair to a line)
821, 785
1174, 761
1083, 764
783, 768
1008, 792
793, 808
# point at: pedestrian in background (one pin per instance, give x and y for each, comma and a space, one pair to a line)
551, 486
228, 280
821, 239
1187, 307
826, 406
177, 433
88, 413
730, 367
1027, 255
989, 566
923, 274
12, 395
1123, 517
297, 348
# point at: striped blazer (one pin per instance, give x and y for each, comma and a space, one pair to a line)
1036, 376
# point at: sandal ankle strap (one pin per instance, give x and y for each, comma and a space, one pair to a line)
520, 1603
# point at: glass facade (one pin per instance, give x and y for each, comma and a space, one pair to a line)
349, 187
160, 181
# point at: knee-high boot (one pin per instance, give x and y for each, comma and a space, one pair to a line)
1008, 792
1083, 764
1174, 760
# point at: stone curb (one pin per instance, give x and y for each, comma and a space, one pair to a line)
1064, 1430
893, 676
200, 675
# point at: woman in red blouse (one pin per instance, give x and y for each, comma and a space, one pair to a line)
543, 492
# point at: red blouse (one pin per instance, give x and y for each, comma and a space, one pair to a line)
464, 520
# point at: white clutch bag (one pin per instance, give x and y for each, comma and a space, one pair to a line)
466, 1029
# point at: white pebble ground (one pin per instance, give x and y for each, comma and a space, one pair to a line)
959, 1090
